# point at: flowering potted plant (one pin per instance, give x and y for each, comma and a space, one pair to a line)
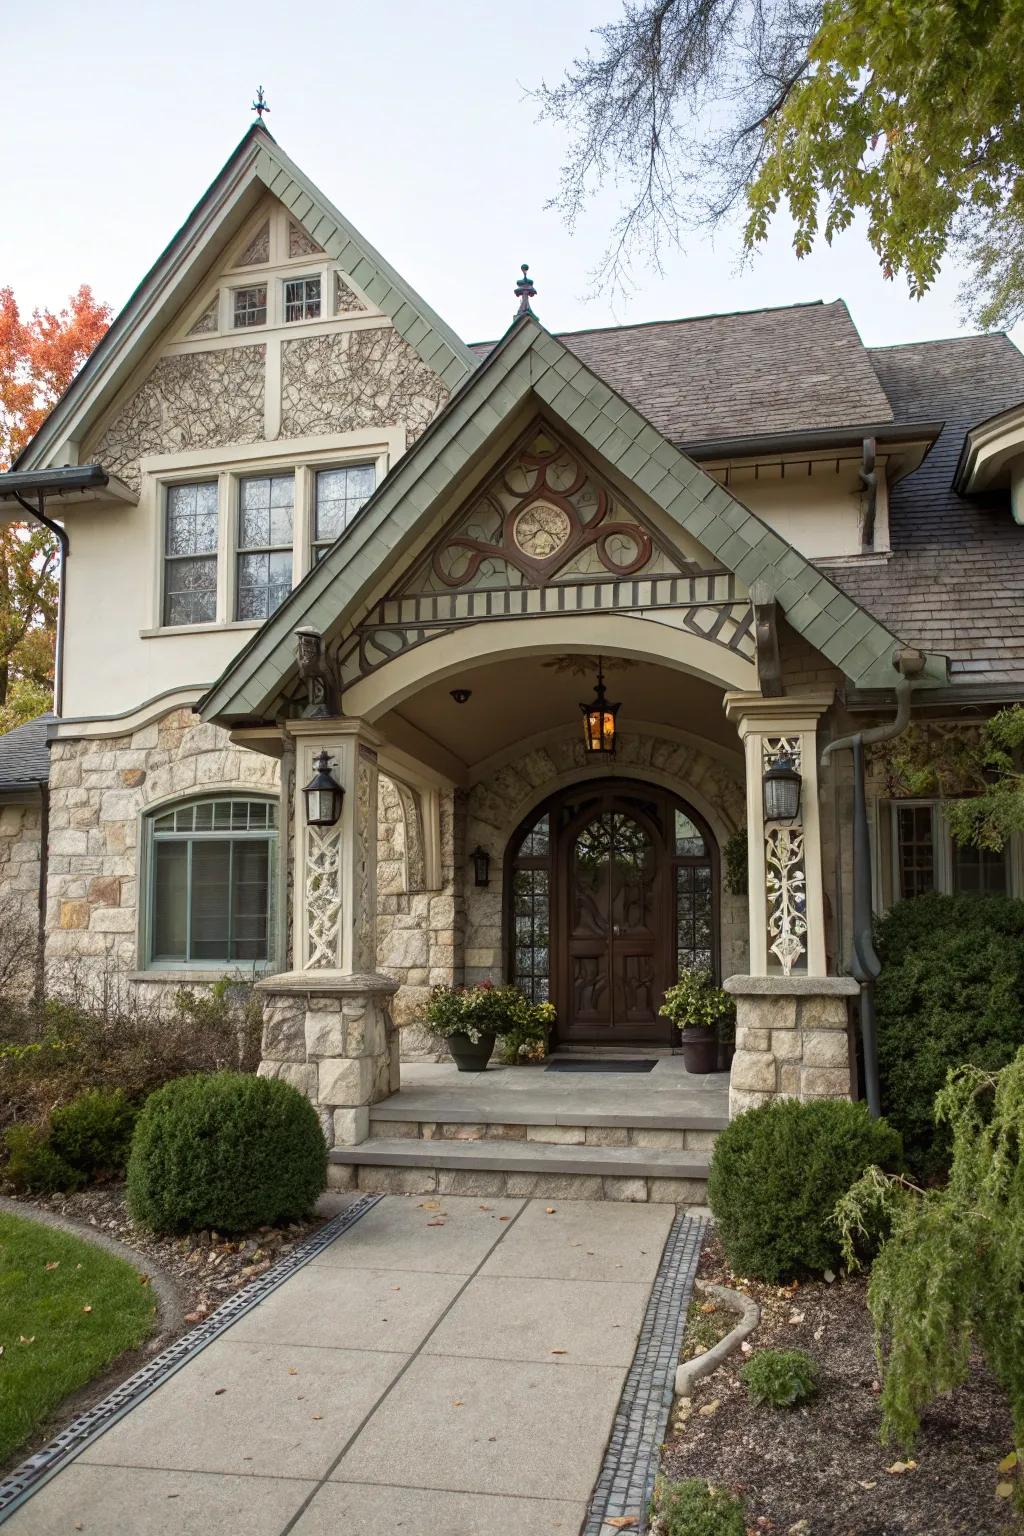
527, 1026
702, 1013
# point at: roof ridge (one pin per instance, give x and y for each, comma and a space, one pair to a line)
721, 314
938, 341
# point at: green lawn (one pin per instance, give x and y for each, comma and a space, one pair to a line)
67, 1309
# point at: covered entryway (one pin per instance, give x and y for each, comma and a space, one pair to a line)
610, 891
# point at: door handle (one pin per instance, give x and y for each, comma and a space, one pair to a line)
616, 929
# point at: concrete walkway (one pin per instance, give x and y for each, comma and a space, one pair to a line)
448, 1365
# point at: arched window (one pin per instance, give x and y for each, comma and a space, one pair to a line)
211, 882
531, 912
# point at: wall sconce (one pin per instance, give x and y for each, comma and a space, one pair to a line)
781, 785
599, 720
323, 795
481, 866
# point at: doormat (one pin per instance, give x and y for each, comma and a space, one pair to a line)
606, 1065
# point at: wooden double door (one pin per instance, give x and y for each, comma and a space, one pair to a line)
628, 871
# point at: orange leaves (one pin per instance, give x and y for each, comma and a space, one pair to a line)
39, 358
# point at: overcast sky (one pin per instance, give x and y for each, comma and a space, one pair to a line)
411, 115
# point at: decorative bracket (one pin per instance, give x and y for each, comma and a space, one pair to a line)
766, 638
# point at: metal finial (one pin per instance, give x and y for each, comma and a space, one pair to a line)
524, 292
260, 105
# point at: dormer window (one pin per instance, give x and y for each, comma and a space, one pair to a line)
249, 306
302, 298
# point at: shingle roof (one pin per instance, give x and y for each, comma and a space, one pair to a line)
955, 580
24, 757
802, 368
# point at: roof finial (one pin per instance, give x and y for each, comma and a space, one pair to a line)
524, 292
260, 105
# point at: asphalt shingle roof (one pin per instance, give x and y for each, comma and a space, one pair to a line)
24, 757
955, 580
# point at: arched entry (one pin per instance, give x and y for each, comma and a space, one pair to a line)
611, 889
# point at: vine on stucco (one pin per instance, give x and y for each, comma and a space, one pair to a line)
351, 379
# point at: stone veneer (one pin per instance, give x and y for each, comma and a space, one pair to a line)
20, 836
792, 1039
333, 1038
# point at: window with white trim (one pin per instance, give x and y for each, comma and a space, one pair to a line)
340, 495
190, 553
302, 298
249, 306
263, 571
211, 882
925, 857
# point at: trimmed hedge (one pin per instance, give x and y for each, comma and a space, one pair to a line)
776, 1174
94, 1132
228, 1152
951, 991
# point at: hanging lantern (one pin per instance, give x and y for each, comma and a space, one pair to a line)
323, 795
781, 787
481, 866
599, 720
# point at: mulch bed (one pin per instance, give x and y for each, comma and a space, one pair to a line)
820, 1470
205, 1268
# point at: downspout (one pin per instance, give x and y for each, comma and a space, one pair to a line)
44, 864
65, 554
865, 964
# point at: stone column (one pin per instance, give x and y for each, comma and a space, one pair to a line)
328, 1027
787, 908
792, 1039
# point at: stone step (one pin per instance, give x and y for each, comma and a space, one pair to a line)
584, 1130
530, 1169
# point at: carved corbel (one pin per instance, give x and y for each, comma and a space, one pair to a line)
766, 639
869, 480
314, 670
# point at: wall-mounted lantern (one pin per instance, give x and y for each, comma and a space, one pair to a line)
323, 795
599, 719
481, 866
781, 787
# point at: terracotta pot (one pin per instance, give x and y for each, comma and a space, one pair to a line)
469, 1055
700, 1050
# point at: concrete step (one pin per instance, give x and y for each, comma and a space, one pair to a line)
671, 1134
531, 1169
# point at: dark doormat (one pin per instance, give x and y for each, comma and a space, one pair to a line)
607, 1065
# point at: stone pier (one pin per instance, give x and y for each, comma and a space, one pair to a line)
793, 1039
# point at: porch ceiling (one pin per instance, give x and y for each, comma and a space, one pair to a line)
520, 699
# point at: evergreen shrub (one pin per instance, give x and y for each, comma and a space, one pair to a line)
226, 1151
776, 1174
33, 1167
94, 1132
951, 992
779, 1378
694, 1508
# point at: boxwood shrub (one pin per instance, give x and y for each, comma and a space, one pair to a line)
951, 991
94, 1132
776, 1174
226, 1151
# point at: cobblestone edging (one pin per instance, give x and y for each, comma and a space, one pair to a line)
626, 1482
30, 1476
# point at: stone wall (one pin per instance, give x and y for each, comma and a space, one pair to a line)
99, 791
20, 834
499, 803
792, 1039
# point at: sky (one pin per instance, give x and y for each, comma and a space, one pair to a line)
412, 116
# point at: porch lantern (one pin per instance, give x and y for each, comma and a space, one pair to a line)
481, 865
781, 786
323, 795
599, 720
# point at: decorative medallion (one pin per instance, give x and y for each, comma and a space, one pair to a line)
541, 530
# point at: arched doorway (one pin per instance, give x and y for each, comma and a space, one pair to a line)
611, 889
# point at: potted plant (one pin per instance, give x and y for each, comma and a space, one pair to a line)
465, 1019
527, 1026
698, 1008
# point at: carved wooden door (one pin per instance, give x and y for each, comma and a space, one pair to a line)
615, 919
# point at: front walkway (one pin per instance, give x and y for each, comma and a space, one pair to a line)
447, 1365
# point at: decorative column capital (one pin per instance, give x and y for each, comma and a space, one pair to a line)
753, 713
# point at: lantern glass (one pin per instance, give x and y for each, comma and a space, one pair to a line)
781, 785
481, 866
599, 720
323, 794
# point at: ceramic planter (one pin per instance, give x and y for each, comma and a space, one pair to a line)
700, 1050
469, 1055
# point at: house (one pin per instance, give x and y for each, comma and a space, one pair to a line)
313, 533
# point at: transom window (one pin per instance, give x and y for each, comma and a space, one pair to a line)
340, 494
190, 554
211, 882
266, 505
302, 298
249, 306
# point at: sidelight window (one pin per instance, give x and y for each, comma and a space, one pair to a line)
531, 912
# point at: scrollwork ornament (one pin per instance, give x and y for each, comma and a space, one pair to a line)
323, 898
786, 887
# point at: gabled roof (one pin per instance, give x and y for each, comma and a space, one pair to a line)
257, 166
755, 373
24, 755
530, 363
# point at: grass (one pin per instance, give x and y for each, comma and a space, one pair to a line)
707, 1322
67, 1309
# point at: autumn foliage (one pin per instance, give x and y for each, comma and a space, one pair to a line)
38, 359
